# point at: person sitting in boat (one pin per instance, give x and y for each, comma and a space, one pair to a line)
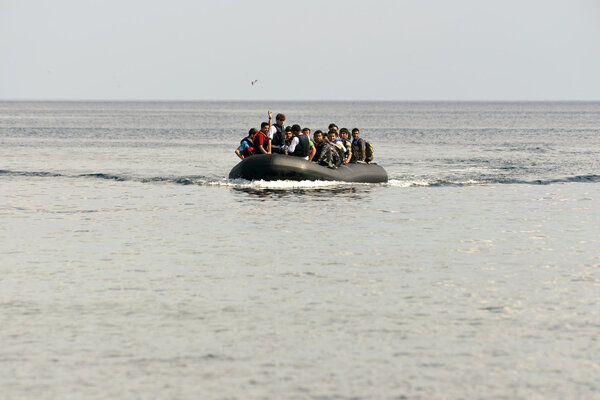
245, 148
358, 147
344, 134
334, 138
277, 135
338, 147
300, 146
288, 139
324, 154
262, 144
317, 138
312, 149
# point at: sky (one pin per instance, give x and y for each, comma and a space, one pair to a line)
407, 50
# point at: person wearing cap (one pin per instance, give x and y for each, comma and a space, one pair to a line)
300, 145
277, 135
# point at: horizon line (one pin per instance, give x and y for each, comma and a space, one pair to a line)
102, 100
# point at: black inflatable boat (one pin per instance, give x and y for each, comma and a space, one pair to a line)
272, 167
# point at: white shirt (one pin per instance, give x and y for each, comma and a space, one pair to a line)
340, 142
271, 132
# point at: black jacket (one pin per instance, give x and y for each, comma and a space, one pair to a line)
328, 155
324, 154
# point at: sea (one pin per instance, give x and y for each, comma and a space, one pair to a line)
131, 267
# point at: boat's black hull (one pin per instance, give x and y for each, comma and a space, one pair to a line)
272, 167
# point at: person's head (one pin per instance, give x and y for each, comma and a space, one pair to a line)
280, 119
252, 132
264, 127
355, 133
333, 135
318, 136
288, 135
296, 129
333, 127
306, 131
344, 133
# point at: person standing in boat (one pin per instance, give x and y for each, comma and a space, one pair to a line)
262, 144
300, 146
359, 148
276, 135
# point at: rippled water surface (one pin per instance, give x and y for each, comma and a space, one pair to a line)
131, 267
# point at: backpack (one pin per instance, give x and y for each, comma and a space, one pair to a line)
369, 153
246, 139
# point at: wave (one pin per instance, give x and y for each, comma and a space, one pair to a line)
287, 185
186, 180
491, 181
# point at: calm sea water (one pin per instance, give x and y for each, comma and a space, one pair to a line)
131, 267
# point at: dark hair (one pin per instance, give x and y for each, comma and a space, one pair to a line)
288, 128
355, 130
305, 129
296, 128
280, 117
252, 131
332, 131
331, 126
344, 130
264, 124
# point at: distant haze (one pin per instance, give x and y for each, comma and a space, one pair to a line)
303, 50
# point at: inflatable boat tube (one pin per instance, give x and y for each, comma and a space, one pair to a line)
272, 167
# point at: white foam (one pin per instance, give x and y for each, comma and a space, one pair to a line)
399, 183
283, 185
425, 183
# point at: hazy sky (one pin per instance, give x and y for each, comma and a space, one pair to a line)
300, 50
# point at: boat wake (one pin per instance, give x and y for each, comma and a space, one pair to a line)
492, 181
201, 180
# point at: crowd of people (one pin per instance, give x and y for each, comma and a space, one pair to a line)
330, 149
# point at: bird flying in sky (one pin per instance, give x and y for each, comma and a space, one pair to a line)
254, 82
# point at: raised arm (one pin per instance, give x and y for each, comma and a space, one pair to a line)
270, 113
